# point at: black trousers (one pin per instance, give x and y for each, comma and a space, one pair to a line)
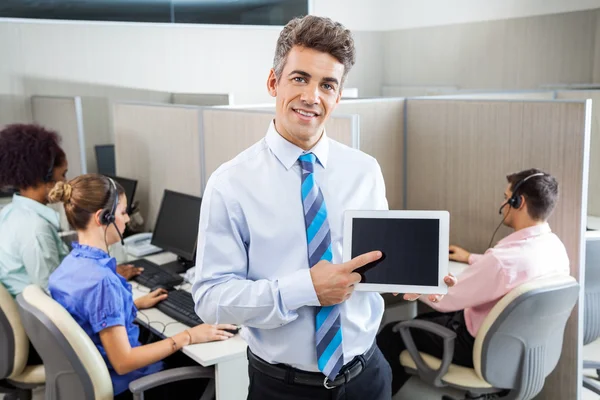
391, 344
182, 390
373, 383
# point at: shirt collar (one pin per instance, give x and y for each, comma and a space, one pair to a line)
287, 153
94, 253
40, 209
527, 233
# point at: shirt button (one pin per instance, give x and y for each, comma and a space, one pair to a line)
104, 324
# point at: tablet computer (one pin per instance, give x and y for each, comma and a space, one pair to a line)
414, 246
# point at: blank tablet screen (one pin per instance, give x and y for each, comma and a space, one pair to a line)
410, 250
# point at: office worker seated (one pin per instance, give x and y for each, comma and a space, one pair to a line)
100, 300
31, 162
530, 252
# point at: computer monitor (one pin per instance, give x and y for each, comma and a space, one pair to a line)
129, 185
176, 228
105, 159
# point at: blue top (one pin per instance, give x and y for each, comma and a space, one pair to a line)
87, 285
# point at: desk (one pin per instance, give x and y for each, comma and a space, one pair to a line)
228, 357
593, 222
456, 268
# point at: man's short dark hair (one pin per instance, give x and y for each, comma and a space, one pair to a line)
317, 33
540, 192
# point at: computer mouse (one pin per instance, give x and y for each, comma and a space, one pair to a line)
234, 331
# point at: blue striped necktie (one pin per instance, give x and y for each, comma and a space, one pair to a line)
330, 354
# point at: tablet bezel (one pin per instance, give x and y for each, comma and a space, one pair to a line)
442, 216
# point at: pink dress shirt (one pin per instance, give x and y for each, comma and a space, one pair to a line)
520, 257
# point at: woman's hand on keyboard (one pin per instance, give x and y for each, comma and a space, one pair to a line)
209, 333
151, 299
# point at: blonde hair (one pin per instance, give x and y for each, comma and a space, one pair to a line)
83, 196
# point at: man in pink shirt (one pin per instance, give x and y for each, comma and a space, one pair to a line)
532, 251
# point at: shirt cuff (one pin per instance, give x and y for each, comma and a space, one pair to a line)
297, 290
473, 258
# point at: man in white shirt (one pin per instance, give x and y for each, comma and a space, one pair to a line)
270, 237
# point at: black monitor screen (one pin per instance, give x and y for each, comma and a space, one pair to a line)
105, 159
176, 227
410, 250
129, 185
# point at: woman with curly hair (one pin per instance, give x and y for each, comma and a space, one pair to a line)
31, 162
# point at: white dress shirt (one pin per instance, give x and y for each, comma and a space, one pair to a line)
252, 258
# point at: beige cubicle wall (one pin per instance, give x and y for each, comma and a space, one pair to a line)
159, 146
64, 115
459, 154
382, 136
413, 91
594, 182
97, 127
501, 95
15, 110
202, 99
227, 132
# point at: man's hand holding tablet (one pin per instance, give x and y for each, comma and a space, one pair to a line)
334, 283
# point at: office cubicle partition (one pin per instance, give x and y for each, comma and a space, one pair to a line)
202, 99
97, 127
412, 91
159, 146
459, 152
64, 115
228, 132
501, 95
594, 182
15, 109
382, 136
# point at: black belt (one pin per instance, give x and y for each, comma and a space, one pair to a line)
288, 374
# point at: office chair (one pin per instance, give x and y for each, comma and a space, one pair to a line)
516, 348
75, 369
16, 378
591, 310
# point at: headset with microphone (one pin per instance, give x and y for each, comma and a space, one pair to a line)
514, 201
107, 216
49, 175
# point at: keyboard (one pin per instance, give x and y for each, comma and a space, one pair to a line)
154, 275
179, 305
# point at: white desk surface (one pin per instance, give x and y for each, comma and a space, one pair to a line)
593, 222
456, 268
205, 354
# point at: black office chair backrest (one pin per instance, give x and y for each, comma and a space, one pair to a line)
591, 288
14, 345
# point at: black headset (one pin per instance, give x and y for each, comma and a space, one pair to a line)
515, 199
48, 177
107, 216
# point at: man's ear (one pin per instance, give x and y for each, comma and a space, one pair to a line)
522, 202
272, 83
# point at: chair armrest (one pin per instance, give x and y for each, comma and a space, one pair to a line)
170, 375
425, 372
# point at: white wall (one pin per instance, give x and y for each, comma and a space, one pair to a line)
403, 14
520, 53
160, 57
